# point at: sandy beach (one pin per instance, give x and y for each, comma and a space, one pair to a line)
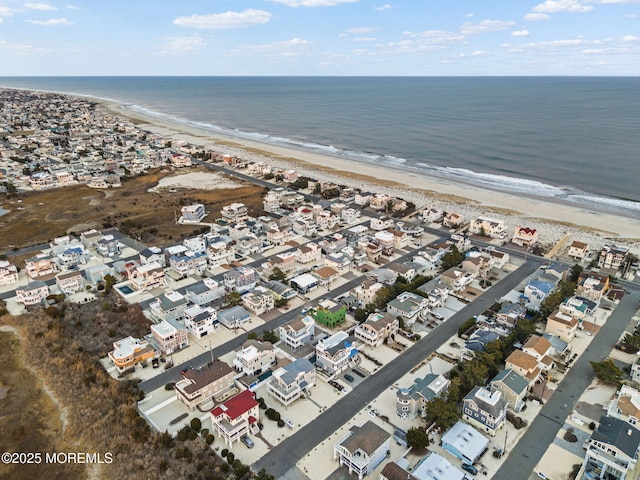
553, 220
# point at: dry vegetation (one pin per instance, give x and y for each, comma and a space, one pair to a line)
38, 217
64, 345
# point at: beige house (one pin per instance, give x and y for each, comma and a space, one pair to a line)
290, 382
32, 293
523, 364
146, 277
129, 352
70, 282
514, 388
578, 250
254, 357
376, 329
309, 253
259, 300
199, 386
8, 273
524, 236
40, 266
297, 333
562, 325
489, 227
170, 336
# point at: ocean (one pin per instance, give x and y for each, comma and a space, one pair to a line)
573, 139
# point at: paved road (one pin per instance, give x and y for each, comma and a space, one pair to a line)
285, 455
542, 431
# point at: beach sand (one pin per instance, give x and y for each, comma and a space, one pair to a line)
553, 220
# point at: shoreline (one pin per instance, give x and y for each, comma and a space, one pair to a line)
553, 218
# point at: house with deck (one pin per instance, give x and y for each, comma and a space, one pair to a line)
202, 385
411, 402
236, 417
290, 382
377, 328
362, 449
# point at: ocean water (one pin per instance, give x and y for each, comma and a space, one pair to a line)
574, 139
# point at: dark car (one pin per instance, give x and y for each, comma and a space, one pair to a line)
467, 467
348, 377
247, 441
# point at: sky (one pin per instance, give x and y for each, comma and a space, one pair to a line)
319, 37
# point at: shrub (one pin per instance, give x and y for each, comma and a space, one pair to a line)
592, 426
230, 457
281, 423
224, 452
196, 424
204, 432
209, 439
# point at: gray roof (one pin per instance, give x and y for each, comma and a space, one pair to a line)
237, 313
511, 379
494, 409
197, 288
368, 438
292, 370
556, 342
616, 432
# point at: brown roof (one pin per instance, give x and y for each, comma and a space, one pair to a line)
393, 471
326, 272
627, 407
368, 438
580, 245
206, 375
537, 343
522, 360
572, 322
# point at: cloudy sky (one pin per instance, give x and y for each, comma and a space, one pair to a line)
320, 37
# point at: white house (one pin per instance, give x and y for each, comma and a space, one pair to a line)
362, 449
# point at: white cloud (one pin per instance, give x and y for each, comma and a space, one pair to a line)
479, 53
614, 1
225, 20
22, 49
45, 7
72, 7
553, 6
1, 20
535, 17
178, 45
520, 33
5, 11
469, 28
382, 8
632, 15
52, 22
364, 39
313, 3
630, 38
361, 29
469, 15
287, 48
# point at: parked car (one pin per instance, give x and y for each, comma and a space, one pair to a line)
467, 467
247, 441
348, 377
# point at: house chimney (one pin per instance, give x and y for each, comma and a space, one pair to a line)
629, 432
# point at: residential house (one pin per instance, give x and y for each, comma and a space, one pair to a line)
129, 352
373, 251
285, 262
188, 264
455, 279
32, 293
326, 276
386, 240
168, 306
304, 283
510, 313
193, 213
259, 300
409, 306
489, 227
350, 216
400, 238
412, 401
612, 256
220, 253
236, 212
199, 386
336, 353
435, 467
329, 314
306, 228
477, 264
241, 279
405, 269
72, 256
277, 236
108, 246
152, 254
254, 357
362, 449
280, 289
97, 273
432, 257
432, 215
484, 409
452, 220
540, 348
169, 336
8, 273
578, 307
524, 236
290, 382
236, 417
461, 241
477, 342
464, 442
333, 243
613, 451
41, 265
197, 245
90, 238
381, 223
498, 259
367, 291
592, 285
338, 261
524, 364
379, 201
625, 405
536, 291
327, 220
204, 292
233, 317
377, 328
70, 282
562, 325
297, 333
556, 272
635, 371
578, 250
513, 388
362, 199
308, 254
146, 277
200, 321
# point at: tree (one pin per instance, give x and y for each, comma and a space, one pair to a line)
277, 274
575, 272
452, 258
234, 298
607, 371
281, 302
196, 424
360, 315
109, 282
442, 413
474, 373
269, 336
417, 438
466, 326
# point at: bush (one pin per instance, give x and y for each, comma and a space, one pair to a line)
230, 457
570, 437
209, 439
204, 432
592, 426
196, 424
281, 423
517, 422
224, 452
